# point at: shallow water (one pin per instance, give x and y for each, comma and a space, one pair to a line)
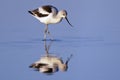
92, 59
94, 41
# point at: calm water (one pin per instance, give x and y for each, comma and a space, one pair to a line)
92, 59
94, 41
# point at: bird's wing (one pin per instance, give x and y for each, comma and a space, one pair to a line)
48, 9
38, 65
39, 12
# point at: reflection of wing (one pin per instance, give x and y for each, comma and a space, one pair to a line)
32, 65
44, 69
41, 65
38, 65
49, 70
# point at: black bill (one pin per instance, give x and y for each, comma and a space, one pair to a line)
68, 22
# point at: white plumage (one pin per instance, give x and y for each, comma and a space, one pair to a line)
49, 14
50, 64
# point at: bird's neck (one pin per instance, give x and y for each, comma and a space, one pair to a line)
57, 18
60, 65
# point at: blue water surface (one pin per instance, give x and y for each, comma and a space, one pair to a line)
94, 40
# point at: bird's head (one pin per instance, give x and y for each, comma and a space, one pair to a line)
63, 14
64, 66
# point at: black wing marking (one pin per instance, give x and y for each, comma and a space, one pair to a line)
40, 65
36, 12
50, 70
47, 8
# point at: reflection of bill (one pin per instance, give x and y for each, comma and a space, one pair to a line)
50, 63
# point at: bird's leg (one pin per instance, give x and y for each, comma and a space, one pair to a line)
48, 32
46, 49
50, 35
45, 31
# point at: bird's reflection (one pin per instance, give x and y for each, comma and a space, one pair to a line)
49, 63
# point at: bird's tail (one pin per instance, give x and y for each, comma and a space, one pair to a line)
32, 65
30, 12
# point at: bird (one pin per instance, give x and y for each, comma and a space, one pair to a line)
50, 64
48, 14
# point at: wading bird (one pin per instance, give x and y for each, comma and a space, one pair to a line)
49, 64
49, 14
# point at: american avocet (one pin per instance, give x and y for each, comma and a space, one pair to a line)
49, 14
50, 63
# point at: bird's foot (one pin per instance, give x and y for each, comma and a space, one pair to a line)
52, 39
48, 40
44, 40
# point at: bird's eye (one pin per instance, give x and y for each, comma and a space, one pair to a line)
64, 14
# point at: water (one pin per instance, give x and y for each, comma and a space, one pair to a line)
92, 59
94, 41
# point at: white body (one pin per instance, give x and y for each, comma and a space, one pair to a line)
52, 18
49, 14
